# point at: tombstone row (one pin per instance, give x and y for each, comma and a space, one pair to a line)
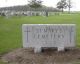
25, 13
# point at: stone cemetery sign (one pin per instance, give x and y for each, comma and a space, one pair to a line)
48, 35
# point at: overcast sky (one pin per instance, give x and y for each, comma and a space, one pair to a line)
52, 3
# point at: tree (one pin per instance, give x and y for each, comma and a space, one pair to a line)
62, 5
35, 4
69, 5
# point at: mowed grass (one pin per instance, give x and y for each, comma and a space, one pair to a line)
11, 28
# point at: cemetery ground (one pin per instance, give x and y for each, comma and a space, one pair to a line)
11, 39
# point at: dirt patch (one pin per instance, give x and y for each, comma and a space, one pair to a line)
48, 56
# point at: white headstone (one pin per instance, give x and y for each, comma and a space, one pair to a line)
48, 35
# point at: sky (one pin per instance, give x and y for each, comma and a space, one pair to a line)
51, 3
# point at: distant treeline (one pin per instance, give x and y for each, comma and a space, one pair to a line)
27, 8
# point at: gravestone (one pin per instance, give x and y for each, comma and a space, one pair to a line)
48, 35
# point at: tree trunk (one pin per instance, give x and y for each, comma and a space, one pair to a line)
69, 10
62, 10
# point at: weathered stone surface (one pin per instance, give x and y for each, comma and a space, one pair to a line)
48, 35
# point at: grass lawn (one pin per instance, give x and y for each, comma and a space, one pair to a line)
10, 28
3, 62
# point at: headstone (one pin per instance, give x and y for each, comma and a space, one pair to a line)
48, 35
